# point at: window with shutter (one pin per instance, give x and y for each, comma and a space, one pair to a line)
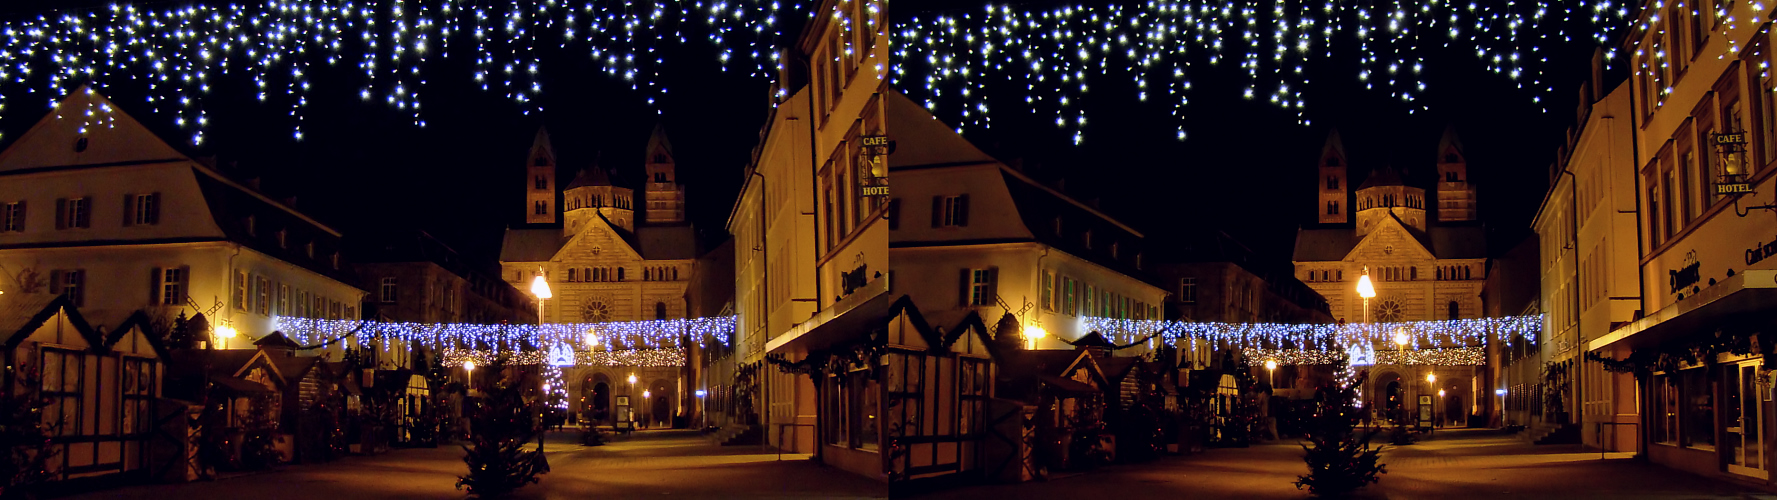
12, 217
1048, 291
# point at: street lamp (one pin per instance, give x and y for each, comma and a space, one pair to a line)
1032, 334
540, 289
1367, 291
469, 372
1271, 373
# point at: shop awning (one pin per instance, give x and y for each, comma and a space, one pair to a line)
844, 323
1739, 298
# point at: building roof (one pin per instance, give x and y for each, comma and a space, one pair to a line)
20, 312
1450, 142
1385, 176
1444, 242
664, 241
277, 339
255, 221
590, 177
658, 140
1334, 147
1316, 245
540, 146
531, 244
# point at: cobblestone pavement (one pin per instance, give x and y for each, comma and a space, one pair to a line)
1454, 464
650, 464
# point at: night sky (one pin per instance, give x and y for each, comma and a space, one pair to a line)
1247, 167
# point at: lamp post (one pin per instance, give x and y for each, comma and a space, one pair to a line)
1431, 383
1367, 291
540, 288
1271, 373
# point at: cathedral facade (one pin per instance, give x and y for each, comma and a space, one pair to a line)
608, 257
1425, 255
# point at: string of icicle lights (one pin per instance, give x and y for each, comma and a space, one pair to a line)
1453, 356
1056, 55
1383, 336
665, 334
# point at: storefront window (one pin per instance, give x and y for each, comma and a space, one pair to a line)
1665, 414
1699, 409
836, 409
864, 389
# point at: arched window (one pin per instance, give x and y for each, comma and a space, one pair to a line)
1413, 273
660, 310
1440, 273
539, 208
675, 274
572, 276
1332, 208
619, 274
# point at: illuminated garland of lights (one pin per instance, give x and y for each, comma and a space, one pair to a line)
639, 358
1056, 55
555, 387
1455, 356
618, 336
1420, 334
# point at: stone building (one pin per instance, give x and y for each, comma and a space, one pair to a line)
99, 209
413, 277
605, 262
1425, 264
1703, 114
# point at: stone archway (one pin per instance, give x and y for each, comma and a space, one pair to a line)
661, 395
595, 388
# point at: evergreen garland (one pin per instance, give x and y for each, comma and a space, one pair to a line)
501, 424
1673, 356
1339, 457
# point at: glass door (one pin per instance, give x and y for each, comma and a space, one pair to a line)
1745, 413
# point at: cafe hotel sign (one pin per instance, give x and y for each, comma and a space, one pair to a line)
873, 156
1732, 146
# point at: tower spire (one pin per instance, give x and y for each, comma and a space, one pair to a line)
1456, 194
540, 201
1332, 187
665, 197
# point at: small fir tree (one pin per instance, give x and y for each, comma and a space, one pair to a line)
1340, 459
25, 462
502, 424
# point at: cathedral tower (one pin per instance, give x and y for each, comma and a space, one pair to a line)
592, 195
1384, 195
1332, 186
540, 181
665, 197
1456, 195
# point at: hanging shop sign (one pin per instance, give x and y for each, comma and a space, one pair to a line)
1732, 147
1685, 276
873, 154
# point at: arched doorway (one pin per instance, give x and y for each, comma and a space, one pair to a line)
660, 403
596, 394
1454, 411
1394, 399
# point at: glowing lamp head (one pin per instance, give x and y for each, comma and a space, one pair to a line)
1499, 392
1440, 393
632, 378
1364, 288
1400, 337
226, 332
647, 394
592, 340
469, 366
1432, 377
540, 287
701, 393
1270, 364
1034, 332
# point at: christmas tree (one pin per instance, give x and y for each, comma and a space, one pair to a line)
1340, 459
24, 434
501, 424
